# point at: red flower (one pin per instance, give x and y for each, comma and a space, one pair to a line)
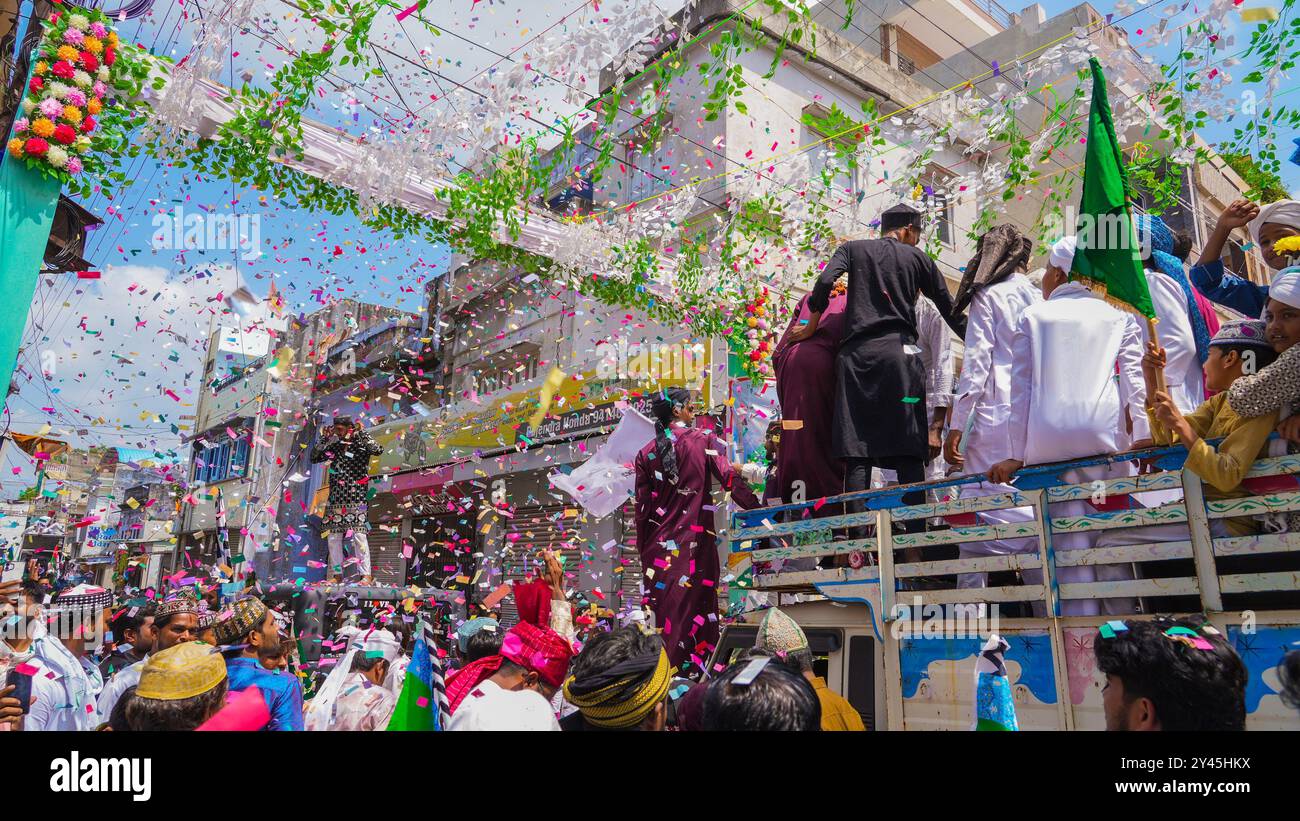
65, 133
63, 69
36, 84
109, 56
755, 356
88, 125
35, 145
89, 61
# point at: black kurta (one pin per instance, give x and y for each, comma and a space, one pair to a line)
348, 476
880, 387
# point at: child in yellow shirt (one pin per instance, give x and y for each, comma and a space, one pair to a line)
1238, 349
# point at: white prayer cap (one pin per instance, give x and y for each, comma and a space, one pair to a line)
1285, 287
382, 642
1062, 253
1282, 212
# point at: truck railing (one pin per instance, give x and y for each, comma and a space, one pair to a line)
807, 533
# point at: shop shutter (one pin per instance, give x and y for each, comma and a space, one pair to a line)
528, 532
387, 564
629, 586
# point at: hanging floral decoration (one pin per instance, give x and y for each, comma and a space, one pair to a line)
71, 109
751, 338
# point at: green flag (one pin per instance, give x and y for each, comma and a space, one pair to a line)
1107, 257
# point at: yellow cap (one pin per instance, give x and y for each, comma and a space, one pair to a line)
181, 671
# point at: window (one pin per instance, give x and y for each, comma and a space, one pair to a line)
239, 463
646, 174
940, 212
219, 462
200, 474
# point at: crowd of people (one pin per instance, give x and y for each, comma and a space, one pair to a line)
865, 384
155, 671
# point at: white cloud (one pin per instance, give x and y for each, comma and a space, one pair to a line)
120, 344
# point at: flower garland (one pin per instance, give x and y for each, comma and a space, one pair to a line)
751, 339
67, 91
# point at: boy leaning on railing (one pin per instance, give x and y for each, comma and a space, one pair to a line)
1239, 348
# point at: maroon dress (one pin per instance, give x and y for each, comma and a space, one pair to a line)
677, 542
805, 387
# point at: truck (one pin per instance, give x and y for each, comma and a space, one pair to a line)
893, 634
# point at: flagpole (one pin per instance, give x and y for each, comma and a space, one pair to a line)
1160, 372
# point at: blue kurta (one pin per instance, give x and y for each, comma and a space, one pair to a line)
282, 691
1229, 290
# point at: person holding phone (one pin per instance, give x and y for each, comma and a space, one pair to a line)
27, 695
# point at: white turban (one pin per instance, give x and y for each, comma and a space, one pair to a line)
1062, 253
1282, 212
1285, 287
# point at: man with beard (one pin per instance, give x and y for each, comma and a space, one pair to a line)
246, 631
176, 621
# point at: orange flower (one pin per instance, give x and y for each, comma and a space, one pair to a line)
94, 106
68, 53
72, 114
42, 67
92, 44
42, 127
16, 147
112, 39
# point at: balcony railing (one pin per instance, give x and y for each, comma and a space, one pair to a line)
992, 9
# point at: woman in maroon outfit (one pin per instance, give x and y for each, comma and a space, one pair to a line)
805, 387
674, 525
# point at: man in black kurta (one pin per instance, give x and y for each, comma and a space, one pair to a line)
880, 389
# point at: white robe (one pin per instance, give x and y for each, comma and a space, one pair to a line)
122, 680
1183, 372
1067, 403
488, 707
982, 408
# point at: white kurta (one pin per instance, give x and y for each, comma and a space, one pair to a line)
1183, 372
1067, 402
489, 707
362, 706
982, 408
122, 680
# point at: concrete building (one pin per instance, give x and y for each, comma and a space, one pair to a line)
1206, 188
462, 484
245, 447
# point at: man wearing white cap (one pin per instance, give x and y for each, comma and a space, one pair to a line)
1065, 403
354, 696
1267, 224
